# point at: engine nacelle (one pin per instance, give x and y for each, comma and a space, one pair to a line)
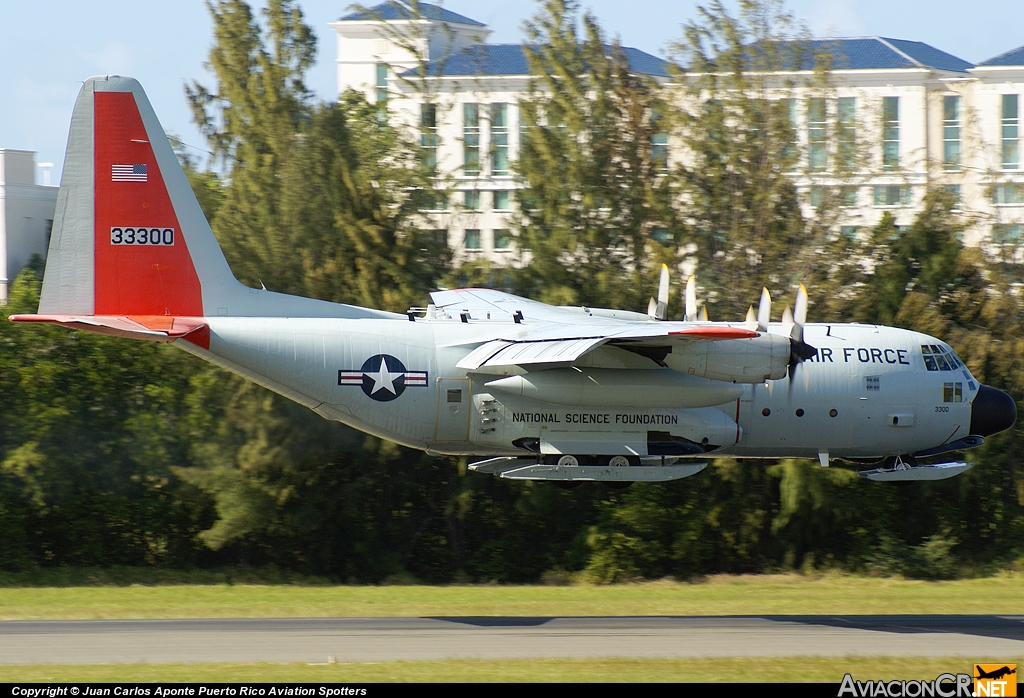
753, 360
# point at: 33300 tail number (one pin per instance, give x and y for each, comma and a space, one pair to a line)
142, 236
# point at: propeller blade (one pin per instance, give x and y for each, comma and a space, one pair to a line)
800, 314
658, 309
704, 313
663, 286
764, 310
793, 327
751, 320
691, 300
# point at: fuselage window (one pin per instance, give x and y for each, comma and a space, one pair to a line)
937, 358
952, 392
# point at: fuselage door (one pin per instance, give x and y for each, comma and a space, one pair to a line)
453, 409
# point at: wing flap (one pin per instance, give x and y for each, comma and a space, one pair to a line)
505, 353
479, 356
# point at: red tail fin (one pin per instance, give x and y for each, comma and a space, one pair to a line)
142, 261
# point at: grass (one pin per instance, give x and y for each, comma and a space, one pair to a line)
789, 594
806, 669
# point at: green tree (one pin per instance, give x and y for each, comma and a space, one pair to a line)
251, 120
595, 197
350, 196
737, 179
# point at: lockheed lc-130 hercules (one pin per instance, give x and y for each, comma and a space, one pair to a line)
543, 393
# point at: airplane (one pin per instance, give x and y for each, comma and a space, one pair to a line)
560, 394
995, 674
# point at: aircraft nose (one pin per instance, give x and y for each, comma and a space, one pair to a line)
992, 411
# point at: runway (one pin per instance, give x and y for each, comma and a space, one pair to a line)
386, 639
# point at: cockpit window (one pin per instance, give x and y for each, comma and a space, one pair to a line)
938, 358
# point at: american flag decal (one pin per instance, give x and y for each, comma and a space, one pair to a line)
383, 377
350, 377
128, 173
415, 378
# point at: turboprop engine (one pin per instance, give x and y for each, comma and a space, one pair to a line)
753, 360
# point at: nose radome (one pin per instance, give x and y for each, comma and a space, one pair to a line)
992, 411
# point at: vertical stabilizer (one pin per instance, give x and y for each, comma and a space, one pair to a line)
129, 238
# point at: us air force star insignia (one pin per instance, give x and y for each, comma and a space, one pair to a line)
383, 378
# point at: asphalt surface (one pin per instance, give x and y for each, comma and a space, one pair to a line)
316, 640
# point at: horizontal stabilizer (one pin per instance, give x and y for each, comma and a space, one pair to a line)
156, 328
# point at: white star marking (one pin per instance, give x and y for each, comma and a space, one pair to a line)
384, 379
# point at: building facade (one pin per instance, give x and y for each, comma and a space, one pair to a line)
922, 117
26, 215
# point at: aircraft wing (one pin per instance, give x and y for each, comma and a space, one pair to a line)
562, 343
546, 336
482, 303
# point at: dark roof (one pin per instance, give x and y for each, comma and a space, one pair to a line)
510, 59
930, 56
1014, 56
401, 10
869, 53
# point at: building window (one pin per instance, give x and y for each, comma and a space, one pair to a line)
499, 140
892, 195
850, 232
472, 240
435, 201
502, 201
848, 197
1006, 234
472, 200
440, 236
954, 191
1011, 144
818, 195
471, 139
382, 83
659, 143
428, 134
951, 132
1008, 194
661, 235
817, 134
502, 240
847, 132
890, 133
789, 154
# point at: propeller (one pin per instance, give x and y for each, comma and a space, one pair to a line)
691, 300
793, 322
658, 309
764, 310
759, 320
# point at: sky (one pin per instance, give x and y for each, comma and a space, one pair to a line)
48, 48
